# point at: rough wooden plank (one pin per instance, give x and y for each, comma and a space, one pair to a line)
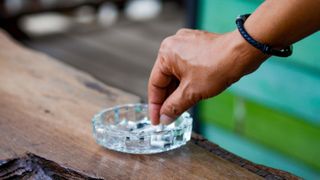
121, 55
263, 171
31, 166
45, 109
102, 61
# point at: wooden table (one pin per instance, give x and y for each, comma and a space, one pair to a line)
46, 109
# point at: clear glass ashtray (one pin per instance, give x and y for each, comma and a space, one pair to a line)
128, 129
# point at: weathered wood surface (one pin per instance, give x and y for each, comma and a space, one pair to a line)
31, 166
106, 53
46, 107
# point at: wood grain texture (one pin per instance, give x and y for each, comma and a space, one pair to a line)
121, 55
46, 107
31, 166
263, 171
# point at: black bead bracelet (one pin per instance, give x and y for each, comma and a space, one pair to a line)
287, 51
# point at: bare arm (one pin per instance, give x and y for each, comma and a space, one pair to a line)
194, 65
283, 22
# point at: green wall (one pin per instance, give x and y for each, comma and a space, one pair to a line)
278, 106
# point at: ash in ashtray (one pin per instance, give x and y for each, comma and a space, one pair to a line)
161, 136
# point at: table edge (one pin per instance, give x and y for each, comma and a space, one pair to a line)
258, 169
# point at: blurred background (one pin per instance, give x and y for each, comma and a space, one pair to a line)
270, 117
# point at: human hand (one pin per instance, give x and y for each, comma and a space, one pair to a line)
194, 65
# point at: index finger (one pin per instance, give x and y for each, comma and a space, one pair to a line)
158, 84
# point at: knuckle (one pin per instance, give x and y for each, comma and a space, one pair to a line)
191, 96
163, 65
173, 110
167, 42
187, 98
182, 31
162, 61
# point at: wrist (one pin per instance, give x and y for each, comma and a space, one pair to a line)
265, 48
248, 58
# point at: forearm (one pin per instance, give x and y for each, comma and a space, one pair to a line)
206, 63
280, 23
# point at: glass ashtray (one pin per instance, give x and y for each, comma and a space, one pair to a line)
127, 128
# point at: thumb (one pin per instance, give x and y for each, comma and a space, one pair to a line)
178, 102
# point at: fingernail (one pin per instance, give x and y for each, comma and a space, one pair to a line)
164, 119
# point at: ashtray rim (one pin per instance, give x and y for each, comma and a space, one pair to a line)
97, 117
